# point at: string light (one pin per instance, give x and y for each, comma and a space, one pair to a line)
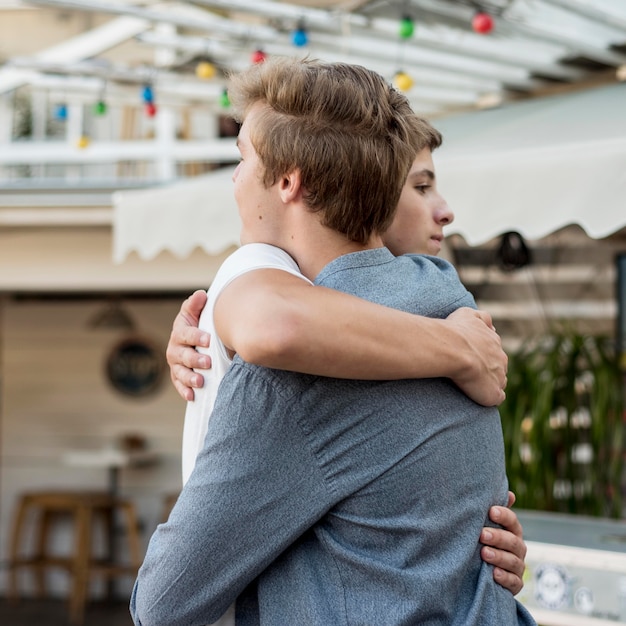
224, 99
83, 142
300, 37
205, 70
60, 112
100, 107
147, 95
258, 56
482, 23
403, 81
407, 28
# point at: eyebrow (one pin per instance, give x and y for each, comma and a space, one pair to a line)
424, 172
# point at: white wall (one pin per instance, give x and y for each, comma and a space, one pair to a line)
55, 397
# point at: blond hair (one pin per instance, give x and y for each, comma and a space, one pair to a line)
351, 134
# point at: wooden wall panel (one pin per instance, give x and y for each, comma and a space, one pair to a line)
55, 397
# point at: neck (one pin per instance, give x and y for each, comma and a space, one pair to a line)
314, 246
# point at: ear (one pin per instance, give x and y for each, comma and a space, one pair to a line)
290, 186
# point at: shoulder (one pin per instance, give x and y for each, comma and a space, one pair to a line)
258, 255
446, 291
252, 257
432, 266
433, 263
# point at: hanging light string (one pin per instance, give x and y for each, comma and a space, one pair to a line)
100, 107
406, 29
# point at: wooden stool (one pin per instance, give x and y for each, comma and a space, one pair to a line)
84, 508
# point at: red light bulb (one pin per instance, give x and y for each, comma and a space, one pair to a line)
482, 23
258, 56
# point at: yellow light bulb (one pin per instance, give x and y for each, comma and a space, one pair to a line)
403, 81
205, 70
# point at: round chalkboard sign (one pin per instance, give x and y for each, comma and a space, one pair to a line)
135, 368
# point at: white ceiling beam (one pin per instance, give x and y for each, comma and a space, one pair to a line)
607, 12
320, 18
430, 86
223, 52
580, 36
11, 5
139, 75
420, 57
230, 55
456, 89
49, 152
183, 15
202, 20
78, 48
349, 25
536, 21
517, 52
450, 94
85, 89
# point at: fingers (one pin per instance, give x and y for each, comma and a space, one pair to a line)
182, 359
508, 565
507, 518
185, 380
178, 353
181, 355
504, 547
186, 393
186, 376
185, 335
192, 307
506, 543
512, 498
509, 581
483, 377
485, 317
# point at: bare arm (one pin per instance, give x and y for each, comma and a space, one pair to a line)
274, 319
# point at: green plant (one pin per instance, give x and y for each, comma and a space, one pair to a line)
563, 425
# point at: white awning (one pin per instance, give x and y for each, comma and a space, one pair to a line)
533, 167
195, 213
537, 166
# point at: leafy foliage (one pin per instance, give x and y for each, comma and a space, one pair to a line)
563, 423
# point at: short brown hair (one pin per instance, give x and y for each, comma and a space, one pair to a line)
351, 134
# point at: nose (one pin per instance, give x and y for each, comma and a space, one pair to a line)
236, 172
444, 214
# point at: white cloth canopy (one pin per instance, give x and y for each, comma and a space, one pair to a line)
537, 166
533, 167
197, 212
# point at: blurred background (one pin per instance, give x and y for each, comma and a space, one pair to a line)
116, 155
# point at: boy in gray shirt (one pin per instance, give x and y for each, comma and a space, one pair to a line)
319, 500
